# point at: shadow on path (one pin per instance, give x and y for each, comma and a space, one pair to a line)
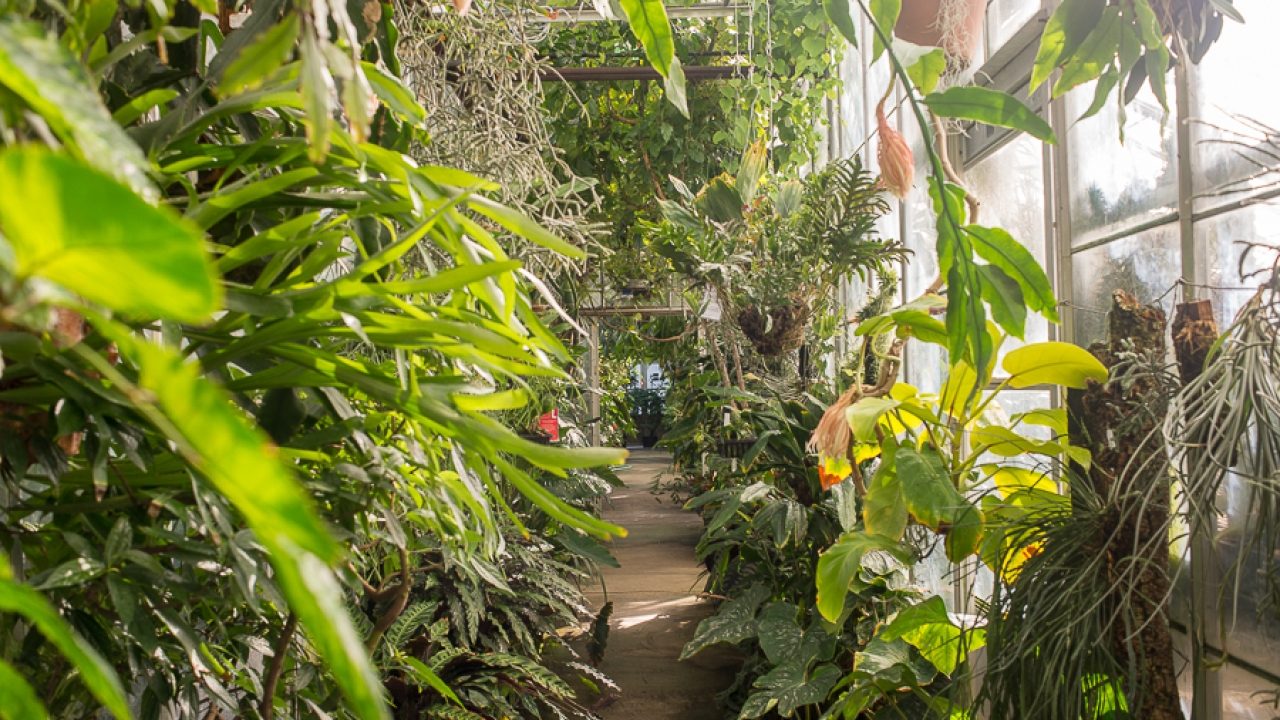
655, 611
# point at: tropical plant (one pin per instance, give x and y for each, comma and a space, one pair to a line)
239, 334
771, 258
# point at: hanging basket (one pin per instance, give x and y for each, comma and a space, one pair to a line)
778, 330
953, 25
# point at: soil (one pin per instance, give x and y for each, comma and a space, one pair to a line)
655, 607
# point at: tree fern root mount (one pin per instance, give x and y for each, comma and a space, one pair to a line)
774, 331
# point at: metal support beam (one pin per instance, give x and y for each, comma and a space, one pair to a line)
590, 14
593, 383
692, 73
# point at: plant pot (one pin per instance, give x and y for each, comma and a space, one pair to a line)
953, 25
778, 330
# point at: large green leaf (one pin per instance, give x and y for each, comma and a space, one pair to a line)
928, 627
935, 502
1000, 249
35, 68
840, 564
864, 415
239, 461
991, 107
784, 641
886, 14
884, 511
95, 237
838, 14
96, 674
1053, 363
734, 622
1095, 53
790, 686
1066, 29
649, 22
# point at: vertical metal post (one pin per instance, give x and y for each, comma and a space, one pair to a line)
1206, 683
593, 382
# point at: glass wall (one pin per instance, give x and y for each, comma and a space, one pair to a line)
1158, 203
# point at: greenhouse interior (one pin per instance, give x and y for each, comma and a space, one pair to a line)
639, 359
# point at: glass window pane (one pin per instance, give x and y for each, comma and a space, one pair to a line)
1218, 242
1010, 186
1227, 97
1146, 265
1112, 185
1005, 18
1246, 696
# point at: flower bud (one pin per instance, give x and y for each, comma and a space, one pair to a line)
897, 163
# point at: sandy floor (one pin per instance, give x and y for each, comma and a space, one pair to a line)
655, 608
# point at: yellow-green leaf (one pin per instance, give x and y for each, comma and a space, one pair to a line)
95, 237
1053, 363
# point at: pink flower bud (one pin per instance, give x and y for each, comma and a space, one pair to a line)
897, 164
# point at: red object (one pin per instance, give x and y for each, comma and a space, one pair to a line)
551, 423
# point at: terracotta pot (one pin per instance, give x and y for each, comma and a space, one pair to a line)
918, 23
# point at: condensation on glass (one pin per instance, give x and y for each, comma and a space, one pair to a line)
1112, 186
1146, 265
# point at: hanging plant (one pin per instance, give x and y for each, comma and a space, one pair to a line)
773, 254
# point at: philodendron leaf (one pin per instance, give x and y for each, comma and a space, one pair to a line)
936, 503
840, 564
1000, 249
866, 413
927, 70
96, 674
95, 237
790, 686
734, 622
1053, 363
991, 107
884, 510
929, 629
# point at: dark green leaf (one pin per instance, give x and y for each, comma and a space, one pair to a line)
991, 107
934, 501
96, 674
1003, 295
255, 61
1094, 55
838, 14
841, 563
1000, 249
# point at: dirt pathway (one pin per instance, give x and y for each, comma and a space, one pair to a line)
655, 611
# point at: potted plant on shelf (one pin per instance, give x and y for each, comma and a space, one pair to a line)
953, 25
772, 258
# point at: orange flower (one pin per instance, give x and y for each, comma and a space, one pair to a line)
897, 164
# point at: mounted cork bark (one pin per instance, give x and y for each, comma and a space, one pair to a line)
775, 331
1120, 422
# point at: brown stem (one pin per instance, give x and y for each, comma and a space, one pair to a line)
272, 677
713, 340
644, 153
941, 133
737, 364
397, 605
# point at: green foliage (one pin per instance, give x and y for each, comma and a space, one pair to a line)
1111, 41
245, 343
990, 107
